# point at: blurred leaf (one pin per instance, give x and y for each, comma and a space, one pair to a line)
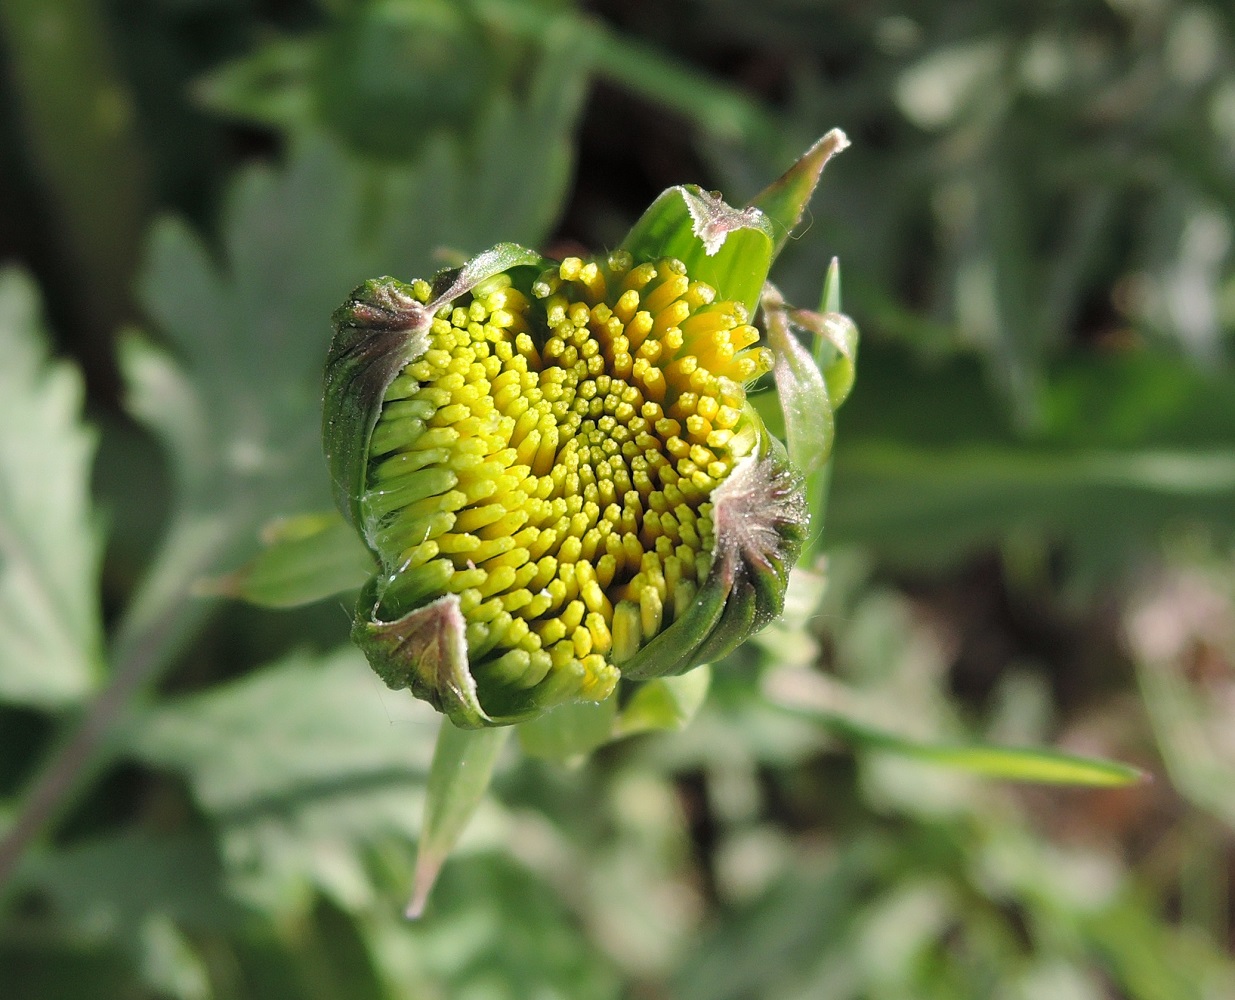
50, 633
270, 86
665, 703
1150, 959
495, 931
927, 467
111, 884
566, 733
305, 558
1005, 763
252, 327
298, 766
463, 761
630, 62
307, 724
810, 695
766, 949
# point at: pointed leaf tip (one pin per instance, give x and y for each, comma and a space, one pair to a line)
462, 765
829, 302
785, 199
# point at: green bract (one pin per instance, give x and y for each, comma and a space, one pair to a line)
555, 463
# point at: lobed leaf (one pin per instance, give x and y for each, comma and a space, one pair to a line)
50, 546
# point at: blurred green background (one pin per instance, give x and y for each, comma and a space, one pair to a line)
1029, 531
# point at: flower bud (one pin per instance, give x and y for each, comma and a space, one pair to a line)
557, 468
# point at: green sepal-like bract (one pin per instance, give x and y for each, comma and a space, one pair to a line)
761, 519
379, 330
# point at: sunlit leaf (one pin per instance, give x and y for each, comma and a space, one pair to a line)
807, 695
50, 641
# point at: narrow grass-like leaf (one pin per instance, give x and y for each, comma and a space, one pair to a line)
800, 695
991, 761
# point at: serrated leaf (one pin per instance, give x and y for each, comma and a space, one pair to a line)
297, 766
50, 633
251, 324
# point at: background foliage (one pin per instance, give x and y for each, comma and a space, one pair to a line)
1029, 528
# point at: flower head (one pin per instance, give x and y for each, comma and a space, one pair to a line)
557, 466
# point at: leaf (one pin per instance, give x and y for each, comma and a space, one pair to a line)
251, 324
270, 86
115, 881
297, 766
808, 695
665, 703
462, 766
929, 468
786, 198
50, 633
303, 725
567, 733
305, 559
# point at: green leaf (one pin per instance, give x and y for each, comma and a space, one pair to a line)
50, 633
1028, 764
304, 559
251, 324
808, 413
297, 766
115, 881
1010, 763
462, 766
307, 723
785, 199
730, 249
567, 733
665, 703
929, 467
271, 86
159, 394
